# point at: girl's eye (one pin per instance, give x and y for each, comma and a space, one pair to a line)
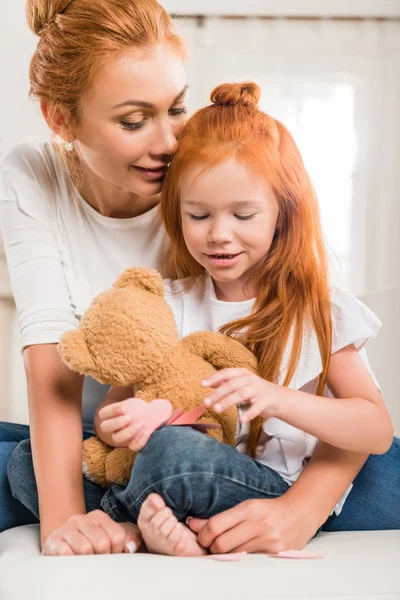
198, 217
177, 112
245, 217
131, 126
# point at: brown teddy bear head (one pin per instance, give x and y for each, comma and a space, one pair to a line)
126, 332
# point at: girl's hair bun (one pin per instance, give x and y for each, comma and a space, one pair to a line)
236, 94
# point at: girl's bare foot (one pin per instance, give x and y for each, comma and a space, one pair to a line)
163, 534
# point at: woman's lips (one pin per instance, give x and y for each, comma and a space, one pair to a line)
224, 260
157, 173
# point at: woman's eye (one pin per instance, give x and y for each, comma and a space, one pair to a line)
198, 217
176, 112
130, 126
245, 217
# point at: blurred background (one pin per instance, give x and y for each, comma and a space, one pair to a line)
330, 71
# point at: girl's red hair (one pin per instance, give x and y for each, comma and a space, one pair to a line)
293, 278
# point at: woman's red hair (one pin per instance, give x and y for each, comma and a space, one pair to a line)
292, 281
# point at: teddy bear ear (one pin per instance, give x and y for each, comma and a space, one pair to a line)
143, 278
75, 352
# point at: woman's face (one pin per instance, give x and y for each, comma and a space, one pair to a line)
130, 117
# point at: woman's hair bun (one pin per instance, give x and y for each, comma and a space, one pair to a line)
240, 94
40, 13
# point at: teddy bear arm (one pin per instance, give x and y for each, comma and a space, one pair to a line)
220, 350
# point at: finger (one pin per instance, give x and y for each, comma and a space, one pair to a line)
111, 410
254, 545
220, 523
252, 412
115, 532
139, 443
227, 387
241, 396
195, 524
133, 538
235, 537
114, 424
127, 433
223, 375
79, 543
97, 536
56, 547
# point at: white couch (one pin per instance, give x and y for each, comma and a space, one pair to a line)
355, 565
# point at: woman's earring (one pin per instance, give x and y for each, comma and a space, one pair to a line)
68, 146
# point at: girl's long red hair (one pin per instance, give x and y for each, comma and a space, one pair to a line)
293, 278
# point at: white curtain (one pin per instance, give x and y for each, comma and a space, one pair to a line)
336, 86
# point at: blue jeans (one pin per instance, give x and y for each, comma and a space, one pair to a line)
196, 476
207, 478
19, 505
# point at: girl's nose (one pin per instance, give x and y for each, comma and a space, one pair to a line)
219, 234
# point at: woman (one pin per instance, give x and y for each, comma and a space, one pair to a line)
71, 227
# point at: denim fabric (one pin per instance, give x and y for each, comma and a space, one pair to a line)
374, 501
18, 492
194, 474
197, 476
12, 512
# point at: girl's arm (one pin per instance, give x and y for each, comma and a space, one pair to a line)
322, 483
356, 419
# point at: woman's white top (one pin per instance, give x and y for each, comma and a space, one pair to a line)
61, 252
282, 447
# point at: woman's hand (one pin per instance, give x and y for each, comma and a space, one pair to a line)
241, 386
266, 525
92, 533
117, 423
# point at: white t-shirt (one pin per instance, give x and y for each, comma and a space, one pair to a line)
283, 448
61, 252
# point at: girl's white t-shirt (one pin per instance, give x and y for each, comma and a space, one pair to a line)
61, 252
283, 448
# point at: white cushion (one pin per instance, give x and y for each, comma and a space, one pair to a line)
355, 565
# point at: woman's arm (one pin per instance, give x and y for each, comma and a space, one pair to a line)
55, 415
356, 419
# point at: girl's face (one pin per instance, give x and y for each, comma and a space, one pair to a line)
130, 118
229, 216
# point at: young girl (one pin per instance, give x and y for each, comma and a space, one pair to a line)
247, 258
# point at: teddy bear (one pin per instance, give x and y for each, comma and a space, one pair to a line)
128, 338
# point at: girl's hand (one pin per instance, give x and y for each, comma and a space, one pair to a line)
93, 533
267, 525
115, 420
241, 386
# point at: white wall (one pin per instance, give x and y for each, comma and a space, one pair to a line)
20, 118
327, 8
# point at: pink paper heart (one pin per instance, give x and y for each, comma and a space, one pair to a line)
302, 554
190, 417
150, 414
